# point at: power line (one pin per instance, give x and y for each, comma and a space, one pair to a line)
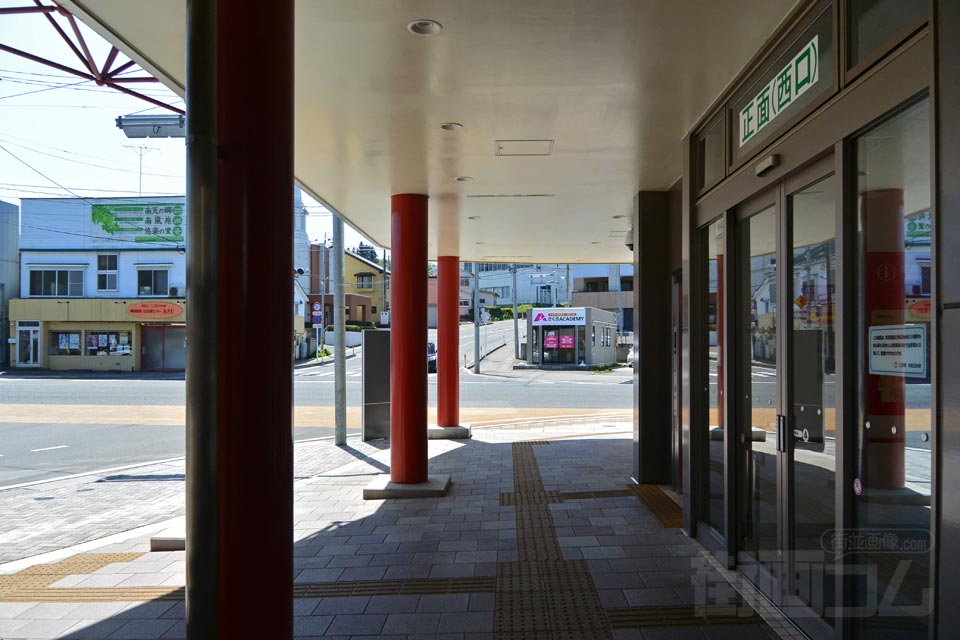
89, 164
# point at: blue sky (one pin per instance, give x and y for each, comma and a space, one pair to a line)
58, 136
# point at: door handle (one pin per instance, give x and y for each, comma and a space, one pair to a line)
781, 432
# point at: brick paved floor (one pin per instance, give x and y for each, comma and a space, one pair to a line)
454, 567
53, 515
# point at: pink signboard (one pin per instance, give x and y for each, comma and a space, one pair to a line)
549, 342
566, 342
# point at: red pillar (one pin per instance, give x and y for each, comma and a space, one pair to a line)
884, 301
408, 339
239, 479
448, 341
255, 435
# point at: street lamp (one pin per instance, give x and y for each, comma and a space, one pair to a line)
153, 126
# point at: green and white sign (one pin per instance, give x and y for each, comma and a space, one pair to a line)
801, 73
149, 222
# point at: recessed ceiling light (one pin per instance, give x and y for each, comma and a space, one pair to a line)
594, 242
464, 179
618, 216
425, 27
479, 243
473, 217
451, 126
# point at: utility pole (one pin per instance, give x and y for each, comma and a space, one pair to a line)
516, 321
323, 292
340, 333
386, 305
141, 151
476, 317
568, 285
619, 303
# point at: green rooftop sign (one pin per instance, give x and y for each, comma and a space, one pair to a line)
799, 74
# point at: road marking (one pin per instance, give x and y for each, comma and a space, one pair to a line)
59, 446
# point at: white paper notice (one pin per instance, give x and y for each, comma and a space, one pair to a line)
899, 350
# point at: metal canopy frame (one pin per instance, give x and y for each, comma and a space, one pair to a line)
104, 75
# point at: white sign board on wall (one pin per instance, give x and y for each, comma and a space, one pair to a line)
899, 350
104, 223
559, 316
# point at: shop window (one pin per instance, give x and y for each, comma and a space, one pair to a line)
64, 343
364, 281
152, 282
62, 283
107, 272
877, 25
109, 343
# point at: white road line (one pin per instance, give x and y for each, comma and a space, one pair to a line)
59, 446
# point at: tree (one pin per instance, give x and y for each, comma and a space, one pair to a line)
367, 251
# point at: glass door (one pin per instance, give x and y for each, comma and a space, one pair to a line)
28, 345
785, 378
757, 393
810, 441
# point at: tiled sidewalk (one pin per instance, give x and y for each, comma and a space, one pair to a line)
52, 515
536, 540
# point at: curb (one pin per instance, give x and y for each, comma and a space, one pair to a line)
313, 363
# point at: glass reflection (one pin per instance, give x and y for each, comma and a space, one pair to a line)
757, 399
893, 462
711, 242
813, 418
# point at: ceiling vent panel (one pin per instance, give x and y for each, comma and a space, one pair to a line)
524, 147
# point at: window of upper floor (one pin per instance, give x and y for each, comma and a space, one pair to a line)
364, 281
107, 272
56, 283
153, 282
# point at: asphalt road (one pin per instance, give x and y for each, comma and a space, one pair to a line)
62, 425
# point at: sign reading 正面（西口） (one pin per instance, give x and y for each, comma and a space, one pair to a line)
142, 223
775, 97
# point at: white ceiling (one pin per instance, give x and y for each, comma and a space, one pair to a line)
615, 84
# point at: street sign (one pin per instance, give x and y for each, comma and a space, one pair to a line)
317, 320
316, 306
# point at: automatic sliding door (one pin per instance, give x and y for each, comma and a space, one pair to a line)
812, 417
757, 398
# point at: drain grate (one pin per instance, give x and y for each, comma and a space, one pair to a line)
667, 512
681, 615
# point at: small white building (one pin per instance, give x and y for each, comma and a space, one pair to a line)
9, 270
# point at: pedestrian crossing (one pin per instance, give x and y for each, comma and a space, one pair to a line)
330, 374
756, 373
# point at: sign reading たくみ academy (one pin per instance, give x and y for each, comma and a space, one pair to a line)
559, 316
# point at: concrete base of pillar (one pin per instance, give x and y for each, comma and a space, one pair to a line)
382, 488
169, 540
448, 433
